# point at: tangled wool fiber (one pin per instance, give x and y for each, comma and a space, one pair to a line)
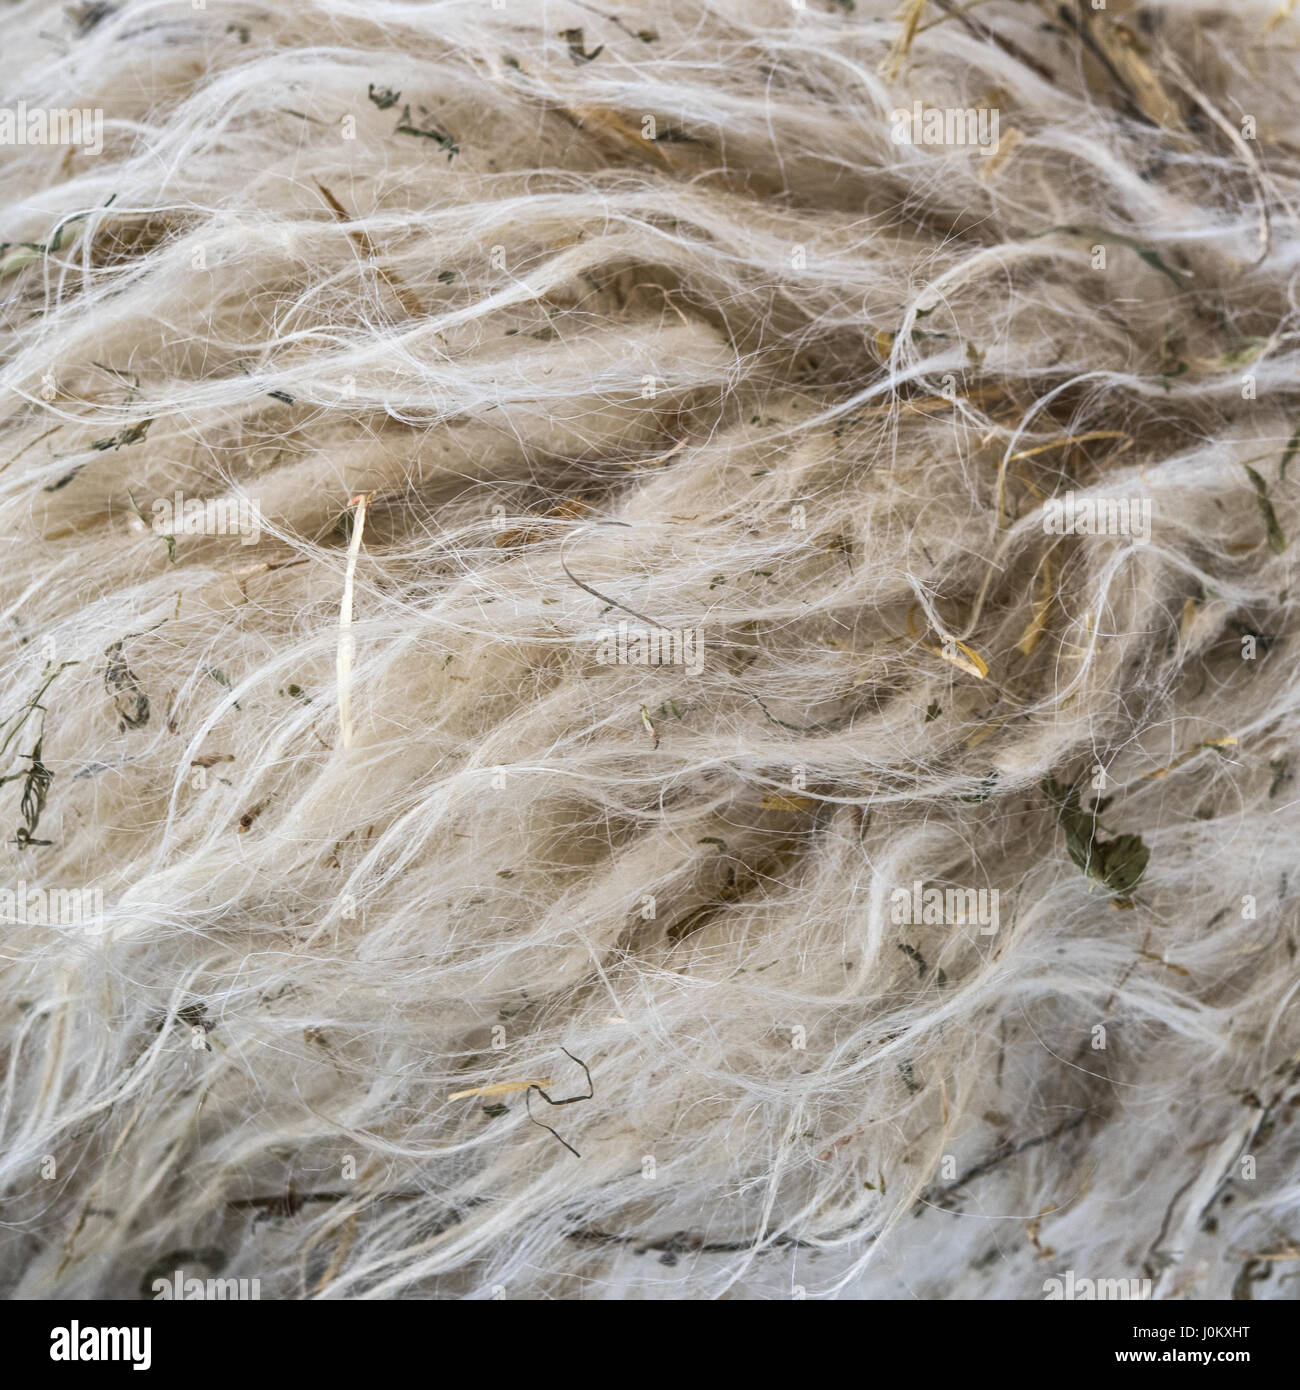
633, 670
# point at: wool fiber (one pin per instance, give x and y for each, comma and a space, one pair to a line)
647, 650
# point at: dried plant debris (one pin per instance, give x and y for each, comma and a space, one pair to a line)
169, 540
1148, 254
589, 1094
1252, 1272
426, 128
36, 776
1277, 542
984, 789
1006, 1151
1292, 445
577, 46
1117, 864
212, 759
128, 434
129, 699
36, 779
14, 256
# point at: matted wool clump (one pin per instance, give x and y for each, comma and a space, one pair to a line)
728, 563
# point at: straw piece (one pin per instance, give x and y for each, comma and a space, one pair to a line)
500, 1088
346, 644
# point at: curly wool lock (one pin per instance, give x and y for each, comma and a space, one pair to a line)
662, 651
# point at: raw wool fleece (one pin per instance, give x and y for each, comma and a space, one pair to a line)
556, 320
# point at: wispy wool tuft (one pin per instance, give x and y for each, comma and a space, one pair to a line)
649, 652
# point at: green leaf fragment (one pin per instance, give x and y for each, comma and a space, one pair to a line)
1277, 542
1144, 253
1116, 864
128, 434
1293, 444
1246, 352
574, 38
429, 131
983, 790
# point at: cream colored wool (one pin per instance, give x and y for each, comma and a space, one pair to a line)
649, 319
